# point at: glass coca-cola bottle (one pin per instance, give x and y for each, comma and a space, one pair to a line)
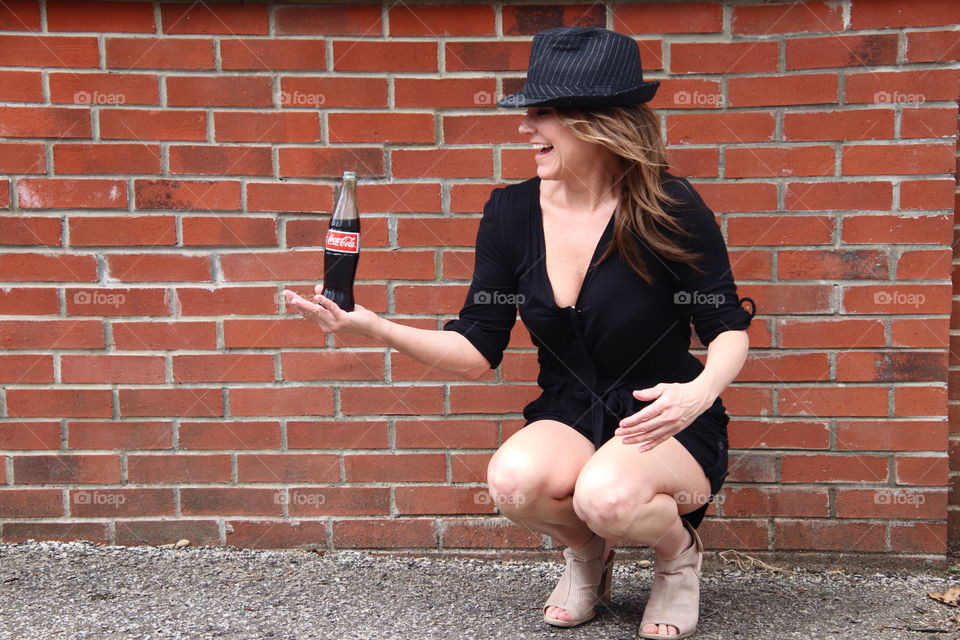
341, 250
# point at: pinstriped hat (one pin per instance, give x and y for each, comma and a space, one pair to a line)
582, 67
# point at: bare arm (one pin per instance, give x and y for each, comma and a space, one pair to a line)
725, 357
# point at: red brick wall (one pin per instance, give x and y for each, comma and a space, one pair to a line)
166, 169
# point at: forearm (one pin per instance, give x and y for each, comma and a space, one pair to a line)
447, 350
725, 357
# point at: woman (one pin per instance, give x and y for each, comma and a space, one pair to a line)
608, 257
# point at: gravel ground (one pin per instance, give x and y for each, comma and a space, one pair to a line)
54, 590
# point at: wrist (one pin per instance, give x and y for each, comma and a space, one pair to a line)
709, 386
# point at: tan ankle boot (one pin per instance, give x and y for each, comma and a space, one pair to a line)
675, 595
585, 583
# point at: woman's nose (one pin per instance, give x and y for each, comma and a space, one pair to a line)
525, 127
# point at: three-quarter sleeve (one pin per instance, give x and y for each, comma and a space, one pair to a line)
490, 309
710, 296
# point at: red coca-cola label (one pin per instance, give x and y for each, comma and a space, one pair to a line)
343, 241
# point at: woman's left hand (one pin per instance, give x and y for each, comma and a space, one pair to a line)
677, 405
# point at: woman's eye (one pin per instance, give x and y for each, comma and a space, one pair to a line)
543, 112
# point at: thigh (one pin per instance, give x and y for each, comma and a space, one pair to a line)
634, 476
547, 453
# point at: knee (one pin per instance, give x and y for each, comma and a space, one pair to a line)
513, 482
608, 505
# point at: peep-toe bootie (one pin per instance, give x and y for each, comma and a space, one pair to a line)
675, 595
585, 583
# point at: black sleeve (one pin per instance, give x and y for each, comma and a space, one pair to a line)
490, 309
711, 296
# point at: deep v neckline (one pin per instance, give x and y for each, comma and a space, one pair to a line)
543, 256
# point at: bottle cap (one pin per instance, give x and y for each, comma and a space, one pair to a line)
349, 175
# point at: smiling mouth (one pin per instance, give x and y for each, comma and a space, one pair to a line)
544, 150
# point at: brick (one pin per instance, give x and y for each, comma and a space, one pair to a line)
470, 198
874, 366
361, 20
289, 197
19, 369
98, 89
157, 532
63, 334
842, 51
396, 56
779, 434
901, 87
381, 127
487, 56
857, 401
328, 92
20, 15
121, 502
337, 434
926, 194
930, 538
339, 501
442, 163
119, 435
29, 435
106, 158
281, 401
187, 194
395, 198
63, 15
273, 55
900, 298
751, 501
445, 232
227, 435
852, 196
934, 263
807, 88
927, 470
48, 51
96, 301
395, 468
44, 122
241, 126
147, 124
928, 123
265, 334
61, 469
138, 336
723, 57
65, 193
230, 231
468, 467
22, 157
788, 18
226, 367
311, 232
902, 158
111, 369
443, 500
843, 264
170, 402
178, 468
920, 332
30, 230
862, 124
384, 534
468, 398
392, 400
932, 46
530, 19
446, 434
783, 368
439, 298
159, 53
36, 267
239, 301
920, 401
333, 365
481, 129
665, 17
233, 500
21, 86
30, 503
700, 128
897, 503
442, 20
748, 162
287, 468
833, 468
780, 230
249, 534
487, 533
886, 13
228, 91
830, 536
215, 19
95, 532
896, 228
158, 267
123, 231
331, 162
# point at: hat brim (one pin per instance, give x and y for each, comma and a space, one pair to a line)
641, 93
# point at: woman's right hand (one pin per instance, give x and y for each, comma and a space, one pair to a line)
327, 315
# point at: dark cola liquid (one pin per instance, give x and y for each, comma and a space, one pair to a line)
339, 272
341, 251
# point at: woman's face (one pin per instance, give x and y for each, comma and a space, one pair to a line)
561, 155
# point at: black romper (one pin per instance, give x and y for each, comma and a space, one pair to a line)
621, 335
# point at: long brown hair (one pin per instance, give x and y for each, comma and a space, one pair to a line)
633, 134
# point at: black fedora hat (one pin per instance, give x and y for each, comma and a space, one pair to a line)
582, 67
